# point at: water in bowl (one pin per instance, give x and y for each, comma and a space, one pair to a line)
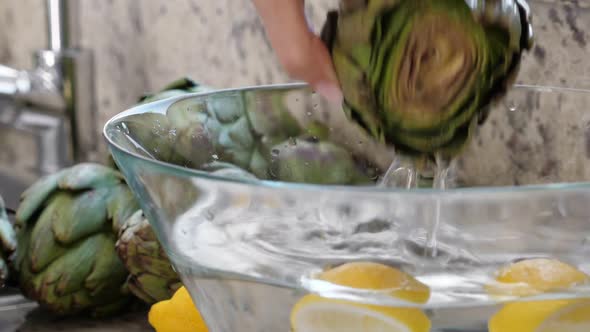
275, 256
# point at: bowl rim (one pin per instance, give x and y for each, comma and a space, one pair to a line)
163, 104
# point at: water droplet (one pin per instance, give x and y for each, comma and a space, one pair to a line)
511, 105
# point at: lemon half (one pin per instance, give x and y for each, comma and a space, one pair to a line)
317, 314
531, 277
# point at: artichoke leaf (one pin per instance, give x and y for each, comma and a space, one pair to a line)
8, 243
158, 286
107, 266
7, 234
81, 216
33, 198
89, 176
121, 205
313, 162
44, 247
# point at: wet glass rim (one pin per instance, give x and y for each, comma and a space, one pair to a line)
161, 106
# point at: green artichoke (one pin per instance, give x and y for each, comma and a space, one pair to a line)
420, 74
7, 243
151, 277
258, 137
66, 226
179, 87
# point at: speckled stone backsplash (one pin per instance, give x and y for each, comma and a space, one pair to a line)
141, 45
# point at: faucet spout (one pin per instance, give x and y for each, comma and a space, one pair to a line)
62, 24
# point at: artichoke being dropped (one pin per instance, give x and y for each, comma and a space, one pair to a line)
151, 277
7, 242
67, 227
419, 74
153, 129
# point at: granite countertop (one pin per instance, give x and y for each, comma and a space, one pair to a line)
19, 315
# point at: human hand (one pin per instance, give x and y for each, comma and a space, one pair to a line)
302, 53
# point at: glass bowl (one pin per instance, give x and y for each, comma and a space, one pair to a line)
249, 249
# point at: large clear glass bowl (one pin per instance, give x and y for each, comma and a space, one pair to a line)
249, 249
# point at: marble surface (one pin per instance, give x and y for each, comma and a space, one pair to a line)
18, 314
39, 321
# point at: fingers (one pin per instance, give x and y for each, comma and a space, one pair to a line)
300, 51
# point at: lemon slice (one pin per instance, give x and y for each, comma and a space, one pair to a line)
572, 318
523, 316
317, 314
535, 276
378, 277
531, 277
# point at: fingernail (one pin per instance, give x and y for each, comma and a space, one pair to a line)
330, 91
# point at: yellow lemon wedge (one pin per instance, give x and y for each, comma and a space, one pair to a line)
178, 314
536, 276
375, 276
530, 277
572, 318
317, 314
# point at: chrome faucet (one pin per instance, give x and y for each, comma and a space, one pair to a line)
50, 108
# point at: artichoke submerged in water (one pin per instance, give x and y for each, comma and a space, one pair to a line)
243, 137
419, 74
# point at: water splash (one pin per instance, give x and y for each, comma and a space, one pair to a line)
399, 175
441, 177
410, 173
